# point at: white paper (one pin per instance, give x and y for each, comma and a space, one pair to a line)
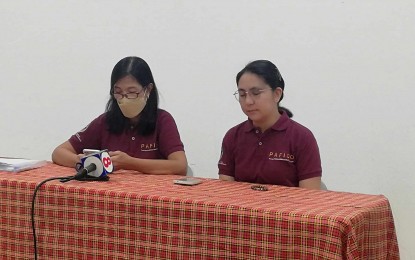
18, 165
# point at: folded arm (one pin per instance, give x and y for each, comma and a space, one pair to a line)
66, 155
176, 163
312, 183
224, 177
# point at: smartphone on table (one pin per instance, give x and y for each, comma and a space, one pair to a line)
90, 151
187, 181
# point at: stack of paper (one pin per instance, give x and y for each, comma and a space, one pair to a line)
18, 165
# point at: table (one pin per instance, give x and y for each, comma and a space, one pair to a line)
136, 216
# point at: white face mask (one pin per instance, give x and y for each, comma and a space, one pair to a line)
132, 107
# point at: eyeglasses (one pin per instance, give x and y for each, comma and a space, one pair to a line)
254, 93
130, 95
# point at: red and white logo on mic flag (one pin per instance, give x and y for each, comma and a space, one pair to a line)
106, 162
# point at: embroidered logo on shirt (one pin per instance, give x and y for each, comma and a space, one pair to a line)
280, 156
149, 147
78, 134
220, 159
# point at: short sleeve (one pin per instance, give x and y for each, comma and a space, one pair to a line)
168, 135
226, 162
308, 159
90, 136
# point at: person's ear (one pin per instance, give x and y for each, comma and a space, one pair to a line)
277, 94
150, 88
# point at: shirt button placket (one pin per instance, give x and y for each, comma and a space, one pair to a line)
259, 137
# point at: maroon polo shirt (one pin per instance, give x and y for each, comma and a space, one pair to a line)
159, 145
283, 155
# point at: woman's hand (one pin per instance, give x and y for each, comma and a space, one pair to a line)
175, 163
120, 160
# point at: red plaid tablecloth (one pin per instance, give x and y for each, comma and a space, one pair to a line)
135, 216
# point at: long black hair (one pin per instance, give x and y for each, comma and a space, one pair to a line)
139, 69
270, 74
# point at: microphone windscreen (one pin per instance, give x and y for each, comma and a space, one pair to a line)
92, 159
91, 167
101, 160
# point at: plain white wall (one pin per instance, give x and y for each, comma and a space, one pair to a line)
348, 67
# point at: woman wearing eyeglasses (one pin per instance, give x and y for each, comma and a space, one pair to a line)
138, 135
268, 148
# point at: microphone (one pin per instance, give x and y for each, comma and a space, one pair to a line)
95, 166
84, 171
90, 168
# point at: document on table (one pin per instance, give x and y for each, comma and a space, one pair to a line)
19, 165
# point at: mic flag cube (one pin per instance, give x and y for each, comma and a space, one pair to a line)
102, 161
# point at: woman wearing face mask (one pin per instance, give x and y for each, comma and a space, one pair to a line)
138, 135
268, 148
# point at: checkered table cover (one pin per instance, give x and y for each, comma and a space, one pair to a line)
136, 216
